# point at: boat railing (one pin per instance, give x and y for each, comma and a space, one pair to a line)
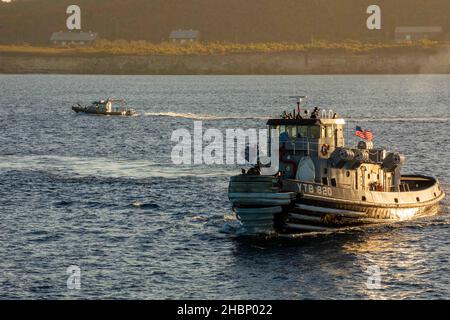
304, 145
327, 114
404, 186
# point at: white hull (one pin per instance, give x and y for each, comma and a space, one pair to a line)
292, 212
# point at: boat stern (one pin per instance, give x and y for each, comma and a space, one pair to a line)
258, 202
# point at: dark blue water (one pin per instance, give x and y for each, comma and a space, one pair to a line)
102, 193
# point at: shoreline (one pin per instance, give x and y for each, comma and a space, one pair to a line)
283, 63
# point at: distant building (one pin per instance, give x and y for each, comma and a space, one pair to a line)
184, 36
417, 33
73, 38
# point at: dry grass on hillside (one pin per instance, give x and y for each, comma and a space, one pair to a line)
122, 47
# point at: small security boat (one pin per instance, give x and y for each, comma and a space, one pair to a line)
323, 186
105, 107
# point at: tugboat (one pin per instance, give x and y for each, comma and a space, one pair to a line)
105, 107
324, 186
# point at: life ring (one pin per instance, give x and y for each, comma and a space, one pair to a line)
324, 149
292, 165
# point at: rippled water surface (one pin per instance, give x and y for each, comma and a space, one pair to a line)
102, 193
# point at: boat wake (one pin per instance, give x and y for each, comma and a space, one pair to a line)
232, 226
105, 167
409, 120
194, 116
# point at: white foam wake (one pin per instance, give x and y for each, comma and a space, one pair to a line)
105, 167
406, 119
201, 116
194, 116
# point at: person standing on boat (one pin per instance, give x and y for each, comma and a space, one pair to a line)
315, 113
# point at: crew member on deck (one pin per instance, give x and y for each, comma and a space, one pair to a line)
315, 113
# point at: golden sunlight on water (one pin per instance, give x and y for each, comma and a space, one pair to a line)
102, 192
401, 258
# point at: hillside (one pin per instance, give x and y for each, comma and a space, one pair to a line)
317, 62
32, 21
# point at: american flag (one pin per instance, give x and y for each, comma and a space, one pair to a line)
364, 134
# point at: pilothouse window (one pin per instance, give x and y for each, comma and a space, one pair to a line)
291, 131
329, 131
314, 132
323, 132
302, 131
